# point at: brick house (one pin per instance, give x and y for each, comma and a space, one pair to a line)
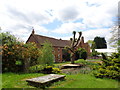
58, 44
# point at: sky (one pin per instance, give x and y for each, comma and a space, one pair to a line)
58, 18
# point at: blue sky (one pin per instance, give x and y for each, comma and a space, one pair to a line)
53, 25
58, 18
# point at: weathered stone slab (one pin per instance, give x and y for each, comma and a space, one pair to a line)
45, 80
71, 66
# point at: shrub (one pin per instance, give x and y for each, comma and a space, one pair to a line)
81, 53
103, 56
47, 69
110, 68
10, 53
50, 69
36, 68
84, 55
66, 55
94, 53
115, 55
17, 56
46, 57
81, 61
56, 70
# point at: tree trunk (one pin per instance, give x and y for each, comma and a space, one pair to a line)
72, 58
26, 65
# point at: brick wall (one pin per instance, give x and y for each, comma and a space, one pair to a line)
58, 54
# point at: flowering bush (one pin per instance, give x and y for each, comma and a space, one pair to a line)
50, 69
56, 70
17, 56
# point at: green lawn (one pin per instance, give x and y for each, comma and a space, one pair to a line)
85, 81
0, 81
12, 80
79, 80
57, 65
76, 61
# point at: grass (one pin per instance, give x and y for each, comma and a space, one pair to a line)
0, 81
85, 81
95, 59
68, 62
12, 80
57, 65
77, 80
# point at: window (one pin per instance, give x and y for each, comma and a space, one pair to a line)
58, 49
52, 50
58, 56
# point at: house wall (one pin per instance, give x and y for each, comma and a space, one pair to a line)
58, 54
32, 39
84, 45
58, 50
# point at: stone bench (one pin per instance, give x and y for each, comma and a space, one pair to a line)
44, 81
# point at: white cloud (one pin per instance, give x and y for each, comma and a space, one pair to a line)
68, 14
39, 29
69, 28
18, 16
91, 34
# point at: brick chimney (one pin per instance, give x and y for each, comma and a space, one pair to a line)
82, 39
33, 32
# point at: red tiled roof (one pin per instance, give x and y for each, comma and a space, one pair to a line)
55, 42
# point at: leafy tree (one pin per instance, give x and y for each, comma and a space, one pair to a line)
66, 55
115, 36
115, 31
17, 56
90, 42
29, 53
10, 51
46, 57
81, 53
100, 42
94, 53
93, 46
7, 38
119, 46
73, 46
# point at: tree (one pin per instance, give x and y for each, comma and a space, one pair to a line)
119, 46
10, 51
29, 54
46, 57
65, 55
115, 39
17, 56
73, 47
81, 53
90, 42
115, 36
100, 42
115, 31
7, 38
